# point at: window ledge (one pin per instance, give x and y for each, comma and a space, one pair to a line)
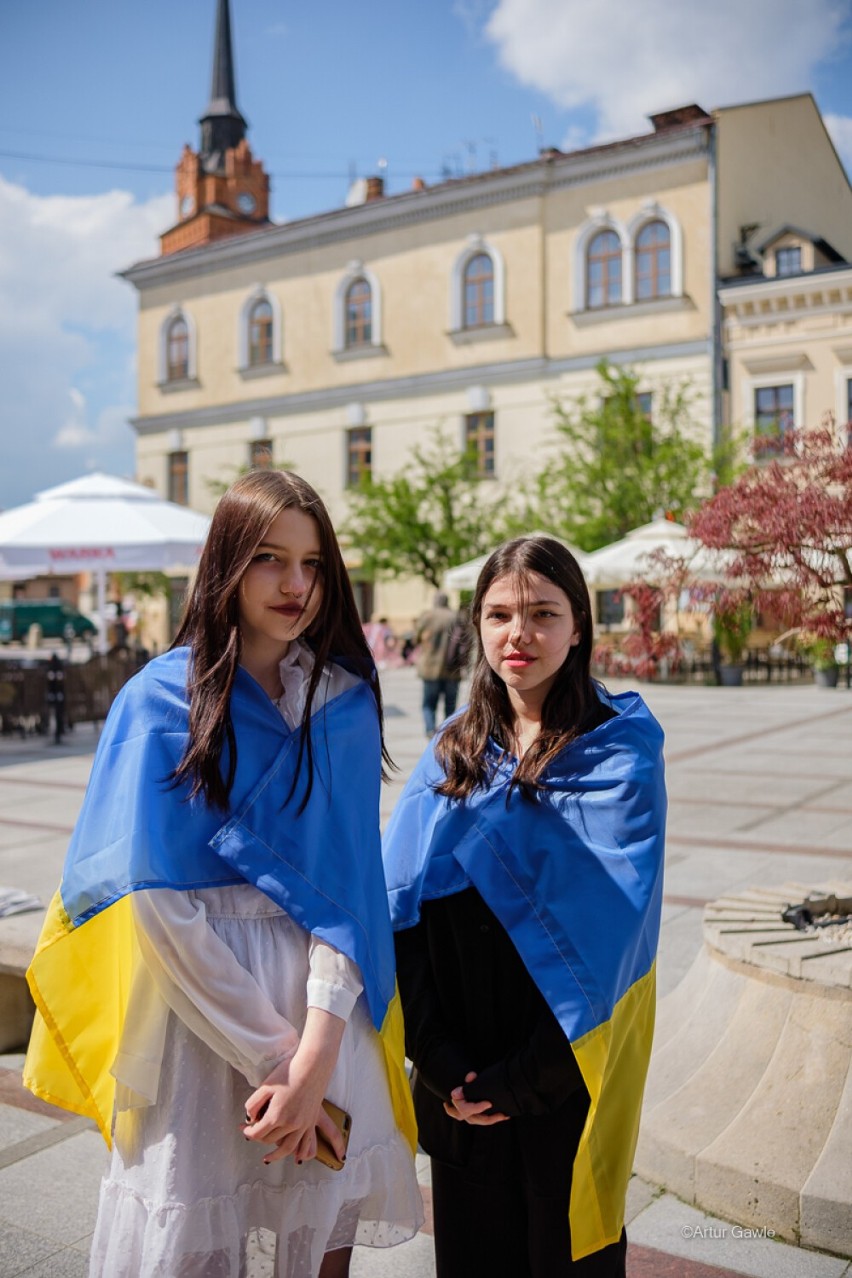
252, 371
367, 351
179, 384
631, 310
485, 333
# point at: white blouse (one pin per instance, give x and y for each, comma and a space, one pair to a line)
190, 969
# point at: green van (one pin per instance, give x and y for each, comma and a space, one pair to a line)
57, 619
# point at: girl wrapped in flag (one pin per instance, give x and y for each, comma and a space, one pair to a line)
219, 957
524, 864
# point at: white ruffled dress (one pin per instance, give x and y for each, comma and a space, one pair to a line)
220, 1000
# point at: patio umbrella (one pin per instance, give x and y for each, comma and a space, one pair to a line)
99, 524
632, 557
465, 576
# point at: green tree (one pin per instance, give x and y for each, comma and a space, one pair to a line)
618, 466
431, 515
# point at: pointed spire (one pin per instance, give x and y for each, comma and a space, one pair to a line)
222, 125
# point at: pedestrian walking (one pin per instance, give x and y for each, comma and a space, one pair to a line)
524, 865
443, 638
213, 973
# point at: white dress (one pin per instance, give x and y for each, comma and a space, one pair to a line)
220, 1000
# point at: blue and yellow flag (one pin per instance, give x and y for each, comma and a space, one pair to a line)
576, 880
137, 830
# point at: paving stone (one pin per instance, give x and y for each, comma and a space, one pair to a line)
674, 1227
20, 1249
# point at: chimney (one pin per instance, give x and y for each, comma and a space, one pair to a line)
375, 189
418, 184
691, 114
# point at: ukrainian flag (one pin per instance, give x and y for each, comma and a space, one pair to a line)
136, 830
576, 880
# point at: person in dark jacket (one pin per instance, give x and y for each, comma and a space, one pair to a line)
524, 868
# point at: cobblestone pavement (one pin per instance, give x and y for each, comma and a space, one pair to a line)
760, 786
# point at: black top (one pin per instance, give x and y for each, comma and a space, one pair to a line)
471, 1005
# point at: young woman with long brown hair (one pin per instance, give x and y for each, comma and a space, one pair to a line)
224, 888
524, 865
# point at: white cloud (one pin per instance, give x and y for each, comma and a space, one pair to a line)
67, 332
840, 129
626, 60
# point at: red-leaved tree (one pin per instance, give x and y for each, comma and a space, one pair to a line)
788, 523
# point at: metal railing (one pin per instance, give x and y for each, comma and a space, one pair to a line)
39, 696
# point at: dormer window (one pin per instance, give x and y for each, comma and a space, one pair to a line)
788, 261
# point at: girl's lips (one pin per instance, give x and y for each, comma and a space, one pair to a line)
289, 610
519, 659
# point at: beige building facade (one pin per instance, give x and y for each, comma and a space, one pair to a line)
333, 344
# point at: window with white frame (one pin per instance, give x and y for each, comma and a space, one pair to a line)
260, 333
788, 261
774, 416
479, 291
176, 350
359, 455
603, 270
652, 257
260, 454
479, 442
638, 263
359, 314
178, 477
357, 319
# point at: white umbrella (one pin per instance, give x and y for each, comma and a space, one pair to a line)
632, 557
99, 524
465, 576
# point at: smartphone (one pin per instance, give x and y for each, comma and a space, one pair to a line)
343, 1122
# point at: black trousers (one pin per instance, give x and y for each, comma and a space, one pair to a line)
508, 1229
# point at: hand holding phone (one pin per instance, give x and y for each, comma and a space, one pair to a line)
343, 1121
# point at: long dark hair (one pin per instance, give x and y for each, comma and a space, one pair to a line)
462, 747
210, 626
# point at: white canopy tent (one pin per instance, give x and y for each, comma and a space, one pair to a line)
465, 576
633, 556
99, 524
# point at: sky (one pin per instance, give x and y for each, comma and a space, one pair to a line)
97, 98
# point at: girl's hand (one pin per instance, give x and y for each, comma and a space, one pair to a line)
284, 1111
287, 1107
472, 1112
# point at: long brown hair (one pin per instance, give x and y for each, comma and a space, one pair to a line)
210, 626
463, 745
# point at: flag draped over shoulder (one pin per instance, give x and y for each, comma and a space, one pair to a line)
137, 830
576, 880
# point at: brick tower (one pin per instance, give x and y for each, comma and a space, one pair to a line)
221, 189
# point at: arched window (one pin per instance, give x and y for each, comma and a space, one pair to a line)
603, 270
359, 313
478, 291
260, 333
177, 350
653, 261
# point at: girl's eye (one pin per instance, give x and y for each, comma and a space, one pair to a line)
316, 564
264, 557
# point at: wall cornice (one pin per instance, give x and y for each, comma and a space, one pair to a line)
450, 199
502, 373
